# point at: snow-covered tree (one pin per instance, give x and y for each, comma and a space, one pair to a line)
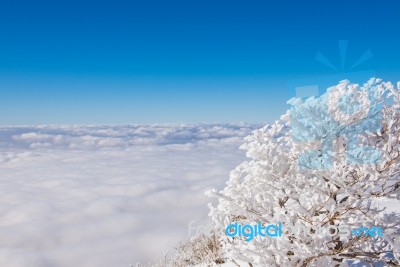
328, 163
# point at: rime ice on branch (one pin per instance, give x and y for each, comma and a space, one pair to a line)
328, 161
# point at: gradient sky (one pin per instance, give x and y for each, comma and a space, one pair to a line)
67, 62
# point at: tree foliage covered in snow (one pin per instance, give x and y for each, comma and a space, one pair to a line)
329, 161
200, 250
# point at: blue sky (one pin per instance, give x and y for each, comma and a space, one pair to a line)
67, 62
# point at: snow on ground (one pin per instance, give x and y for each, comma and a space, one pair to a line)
107, 195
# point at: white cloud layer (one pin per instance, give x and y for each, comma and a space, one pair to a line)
107, 195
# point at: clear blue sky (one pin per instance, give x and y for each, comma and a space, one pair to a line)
180, 61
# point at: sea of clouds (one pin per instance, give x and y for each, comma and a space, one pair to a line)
107, 195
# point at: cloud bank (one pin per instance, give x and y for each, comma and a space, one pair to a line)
107, 195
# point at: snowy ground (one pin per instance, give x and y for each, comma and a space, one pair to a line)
107, 195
